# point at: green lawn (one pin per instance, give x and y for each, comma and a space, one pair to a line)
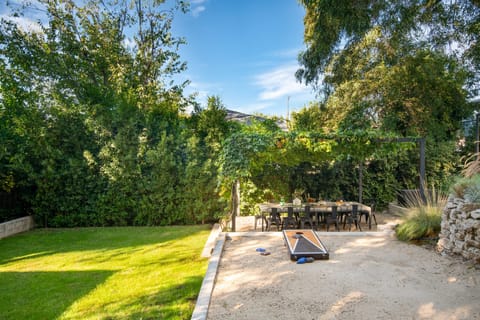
102, 273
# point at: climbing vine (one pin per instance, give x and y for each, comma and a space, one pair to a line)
244, 152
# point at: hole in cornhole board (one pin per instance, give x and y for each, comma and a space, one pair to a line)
304, 243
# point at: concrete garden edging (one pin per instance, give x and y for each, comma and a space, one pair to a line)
19, 225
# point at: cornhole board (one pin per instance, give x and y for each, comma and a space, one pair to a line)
304, 243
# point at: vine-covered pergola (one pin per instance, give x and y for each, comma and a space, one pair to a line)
245, 151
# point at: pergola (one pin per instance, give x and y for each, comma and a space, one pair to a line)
243, 149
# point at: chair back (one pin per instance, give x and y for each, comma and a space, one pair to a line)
274, 212
372, 206
290, 212
354, 210
307, 211
334, 212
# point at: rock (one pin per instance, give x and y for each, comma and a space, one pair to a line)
460, 236
472, 243
475, 214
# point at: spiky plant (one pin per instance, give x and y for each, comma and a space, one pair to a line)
471, 166
423, 217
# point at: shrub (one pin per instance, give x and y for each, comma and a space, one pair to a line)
469, 187
420, 222
423, 218
472, 193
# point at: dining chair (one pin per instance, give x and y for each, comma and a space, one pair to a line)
289, 221
352, 217
274, 219
332, 218
368, 215
320, 217
260, 217
306, 217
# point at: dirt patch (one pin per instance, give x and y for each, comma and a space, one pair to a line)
366, 277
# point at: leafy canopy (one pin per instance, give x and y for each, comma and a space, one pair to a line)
246, 152
400, 66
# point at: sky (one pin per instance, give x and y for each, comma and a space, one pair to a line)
245, 52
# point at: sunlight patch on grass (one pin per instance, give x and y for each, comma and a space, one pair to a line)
132, 273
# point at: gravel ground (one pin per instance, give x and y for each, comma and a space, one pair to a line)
367, 277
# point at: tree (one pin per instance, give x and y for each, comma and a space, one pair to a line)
387, 64
400, 66
333, 27
422, 95
310, 118
208, 129
96, 108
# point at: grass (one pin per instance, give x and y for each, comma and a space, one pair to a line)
420, 223
102, 273
423, 218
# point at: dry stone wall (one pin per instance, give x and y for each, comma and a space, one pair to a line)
460, 233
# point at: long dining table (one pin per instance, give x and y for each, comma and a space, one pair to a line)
319, 209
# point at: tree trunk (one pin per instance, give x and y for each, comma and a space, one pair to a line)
360, 182
235, 202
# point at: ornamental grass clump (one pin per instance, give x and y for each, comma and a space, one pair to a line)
423, 217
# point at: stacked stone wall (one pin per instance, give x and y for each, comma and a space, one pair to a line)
460, 233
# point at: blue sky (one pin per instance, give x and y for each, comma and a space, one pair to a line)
245, 52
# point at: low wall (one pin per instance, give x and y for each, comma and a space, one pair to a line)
396, 210
16, 226
460, 233
243, 223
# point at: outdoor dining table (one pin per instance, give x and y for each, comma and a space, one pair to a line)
320, 209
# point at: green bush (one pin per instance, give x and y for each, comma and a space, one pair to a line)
468, 189
424, 217
421, 222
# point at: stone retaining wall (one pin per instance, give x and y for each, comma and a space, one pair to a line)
16, 226
460, 233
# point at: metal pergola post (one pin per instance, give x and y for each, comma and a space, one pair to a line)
477, 135
422, 143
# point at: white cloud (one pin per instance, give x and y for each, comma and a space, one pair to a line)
24, 23
197, 7
31, 18
129, 43
197, 10
287, 53
280, 82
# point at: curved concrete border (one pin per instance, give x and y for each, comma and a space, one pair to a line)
212, 240
203, 301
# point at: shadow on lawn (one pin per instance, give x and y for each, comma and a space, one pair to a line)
45, 295
166, 302
44, 242
48, 295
